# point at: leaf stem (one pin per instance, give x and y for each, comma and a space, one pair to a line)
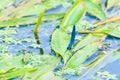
39, 21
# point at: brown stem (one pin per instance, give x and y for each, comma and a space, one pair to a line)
38, 42
101, 23
86, 31
108, 20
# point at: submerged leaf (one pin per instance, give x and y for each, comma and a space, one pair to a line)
95, 10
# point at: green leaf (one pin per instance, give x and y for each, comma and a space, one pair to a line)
103, 61
109, 29
111, 3
46, 5
16, 73
30, 8
95, 10
60, 41
49, 75
90, 38
74, 14
114, 31
30, 20
97, 1
49, 64
35, 66
81, 56
6, 3
8, 62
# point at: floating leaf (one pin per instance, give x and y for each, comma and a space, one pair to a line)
83, 25
13, 66
48, 65
90, 38
49, 75
97, 1
46, 5
109, 29
74, 14
6, 3
60, 41
95, 10
8, 62
114, 31
16, 73
30, 20
103, 61
81, 56
30, 8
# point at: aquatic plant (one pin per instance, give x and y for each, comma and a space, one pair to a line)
71, 53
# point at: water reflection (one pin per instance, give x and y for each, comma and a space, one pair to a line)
38, 42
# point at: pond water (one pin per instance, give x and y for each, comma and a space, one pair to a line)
27, 37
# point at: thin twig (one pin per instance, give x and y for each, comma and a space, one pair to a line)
24, 56
100, 23
86, 31
108, 20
